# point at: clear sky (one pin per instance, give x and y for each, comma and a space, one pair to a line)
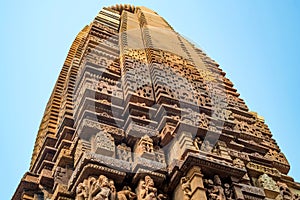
256, 42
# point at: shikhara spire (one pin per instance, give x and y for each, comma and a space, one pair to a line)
139, 112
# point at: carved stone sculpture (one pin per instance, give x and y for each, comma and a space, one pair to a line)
206, 146
228, 191
186, 187
96, 189
238, 163
218, 188
126, 194
124, 152
146, 190
285, 192
197, 143
297, 197
144, 148
215, 191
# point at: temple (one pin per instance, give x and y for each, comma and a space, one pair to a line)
139, 112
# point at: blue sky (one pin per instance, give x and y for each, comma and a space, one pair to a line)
255, 42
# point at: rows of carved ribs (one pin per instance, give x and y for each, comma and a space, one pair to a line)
157, 78
150, 109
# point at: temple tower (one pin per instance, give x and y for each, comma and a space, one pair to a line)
139, 112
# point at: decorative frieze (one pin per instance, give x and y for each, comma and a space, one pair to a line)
238, 154
253, 190
263, 169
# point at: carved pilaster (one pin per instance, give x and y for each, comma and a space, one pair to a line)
196, 183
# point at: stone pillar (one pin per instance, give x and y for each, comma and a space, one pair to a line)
196, 182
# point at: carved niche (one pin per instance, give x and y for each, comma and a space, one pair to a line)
159, 154
62, 175
222, 150
144, 148
167, 134
124, 152
197, 143
103, 143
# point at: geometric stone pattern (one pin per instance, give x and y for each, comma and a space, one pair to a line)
139, 112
